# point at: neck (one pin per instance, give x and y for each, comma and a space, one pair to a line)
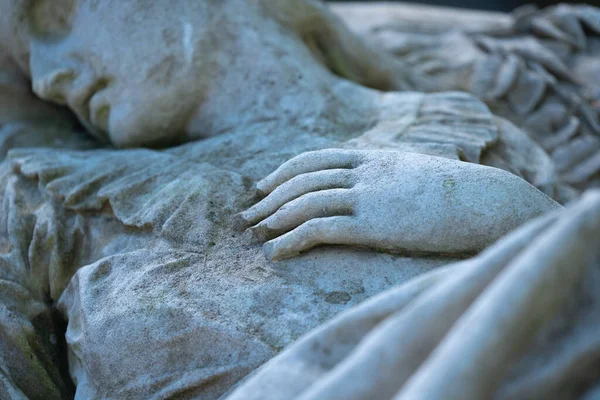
265, 73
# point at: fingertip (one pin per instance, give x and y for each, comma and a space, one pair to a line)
258, 234
250, 237
263, 187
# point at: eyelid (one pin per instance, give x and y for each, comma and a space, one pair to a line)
48, 18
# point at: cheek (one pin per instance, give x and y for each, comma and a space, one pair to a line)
165, 71
153, 97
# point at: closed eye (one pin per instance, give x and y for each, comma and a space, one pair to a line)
50, 18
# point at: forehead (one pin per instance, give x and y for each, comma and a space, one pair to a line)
54, 19
23, 11
138, 9
17, 10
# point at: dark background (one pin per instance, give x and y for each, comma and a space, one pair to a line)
498, 5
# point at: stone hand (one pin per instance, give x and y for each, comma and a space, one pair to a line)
388, 200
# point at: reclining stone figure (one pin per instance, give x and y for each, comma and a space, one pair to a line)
135, 248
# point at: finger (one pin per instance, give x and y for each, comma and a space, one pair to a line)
574, 152
548, 59
484, 75
591, 17
590, 118
402, 45
548, 118
308, 162
563, 135
539, 69
525, 12
507, 76
326, 203
420, 57
296, 187
433, 66
331, 230
527, 94
543, 27
572, 26
584, 171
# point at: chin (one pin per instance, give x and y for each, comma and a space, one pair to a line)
145, 138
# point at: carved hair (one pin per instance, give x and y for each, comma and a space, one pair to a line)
343, 52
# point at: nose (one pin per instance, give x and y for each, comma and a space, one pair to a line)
50, 74
53, 86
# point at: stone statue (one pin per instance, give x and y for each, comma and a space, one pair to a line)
537, 68
367, 198
124, 272
449, 333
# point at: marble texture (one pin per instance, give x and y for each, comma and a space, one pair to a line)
139, 140
518, 321
537, 68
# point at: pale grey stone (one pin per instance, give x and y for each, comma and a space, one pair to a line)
139, 252
538, 69
355, 197
519, 321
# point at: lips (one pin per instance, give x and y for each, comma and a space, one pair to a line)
89, 101
99, 109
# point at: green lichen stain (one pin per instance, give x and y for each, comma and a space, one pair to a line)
449, 184
337, 297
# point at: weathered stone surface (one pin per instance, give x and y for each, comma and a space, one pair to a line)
367, 198
157, 245
538, 69
131, 263
519, 321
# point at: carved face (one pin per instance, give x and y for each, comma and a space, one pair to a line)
144, 72
129, 69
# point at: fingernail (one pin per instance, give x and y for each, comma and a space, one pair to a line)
261, 187
259, 234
